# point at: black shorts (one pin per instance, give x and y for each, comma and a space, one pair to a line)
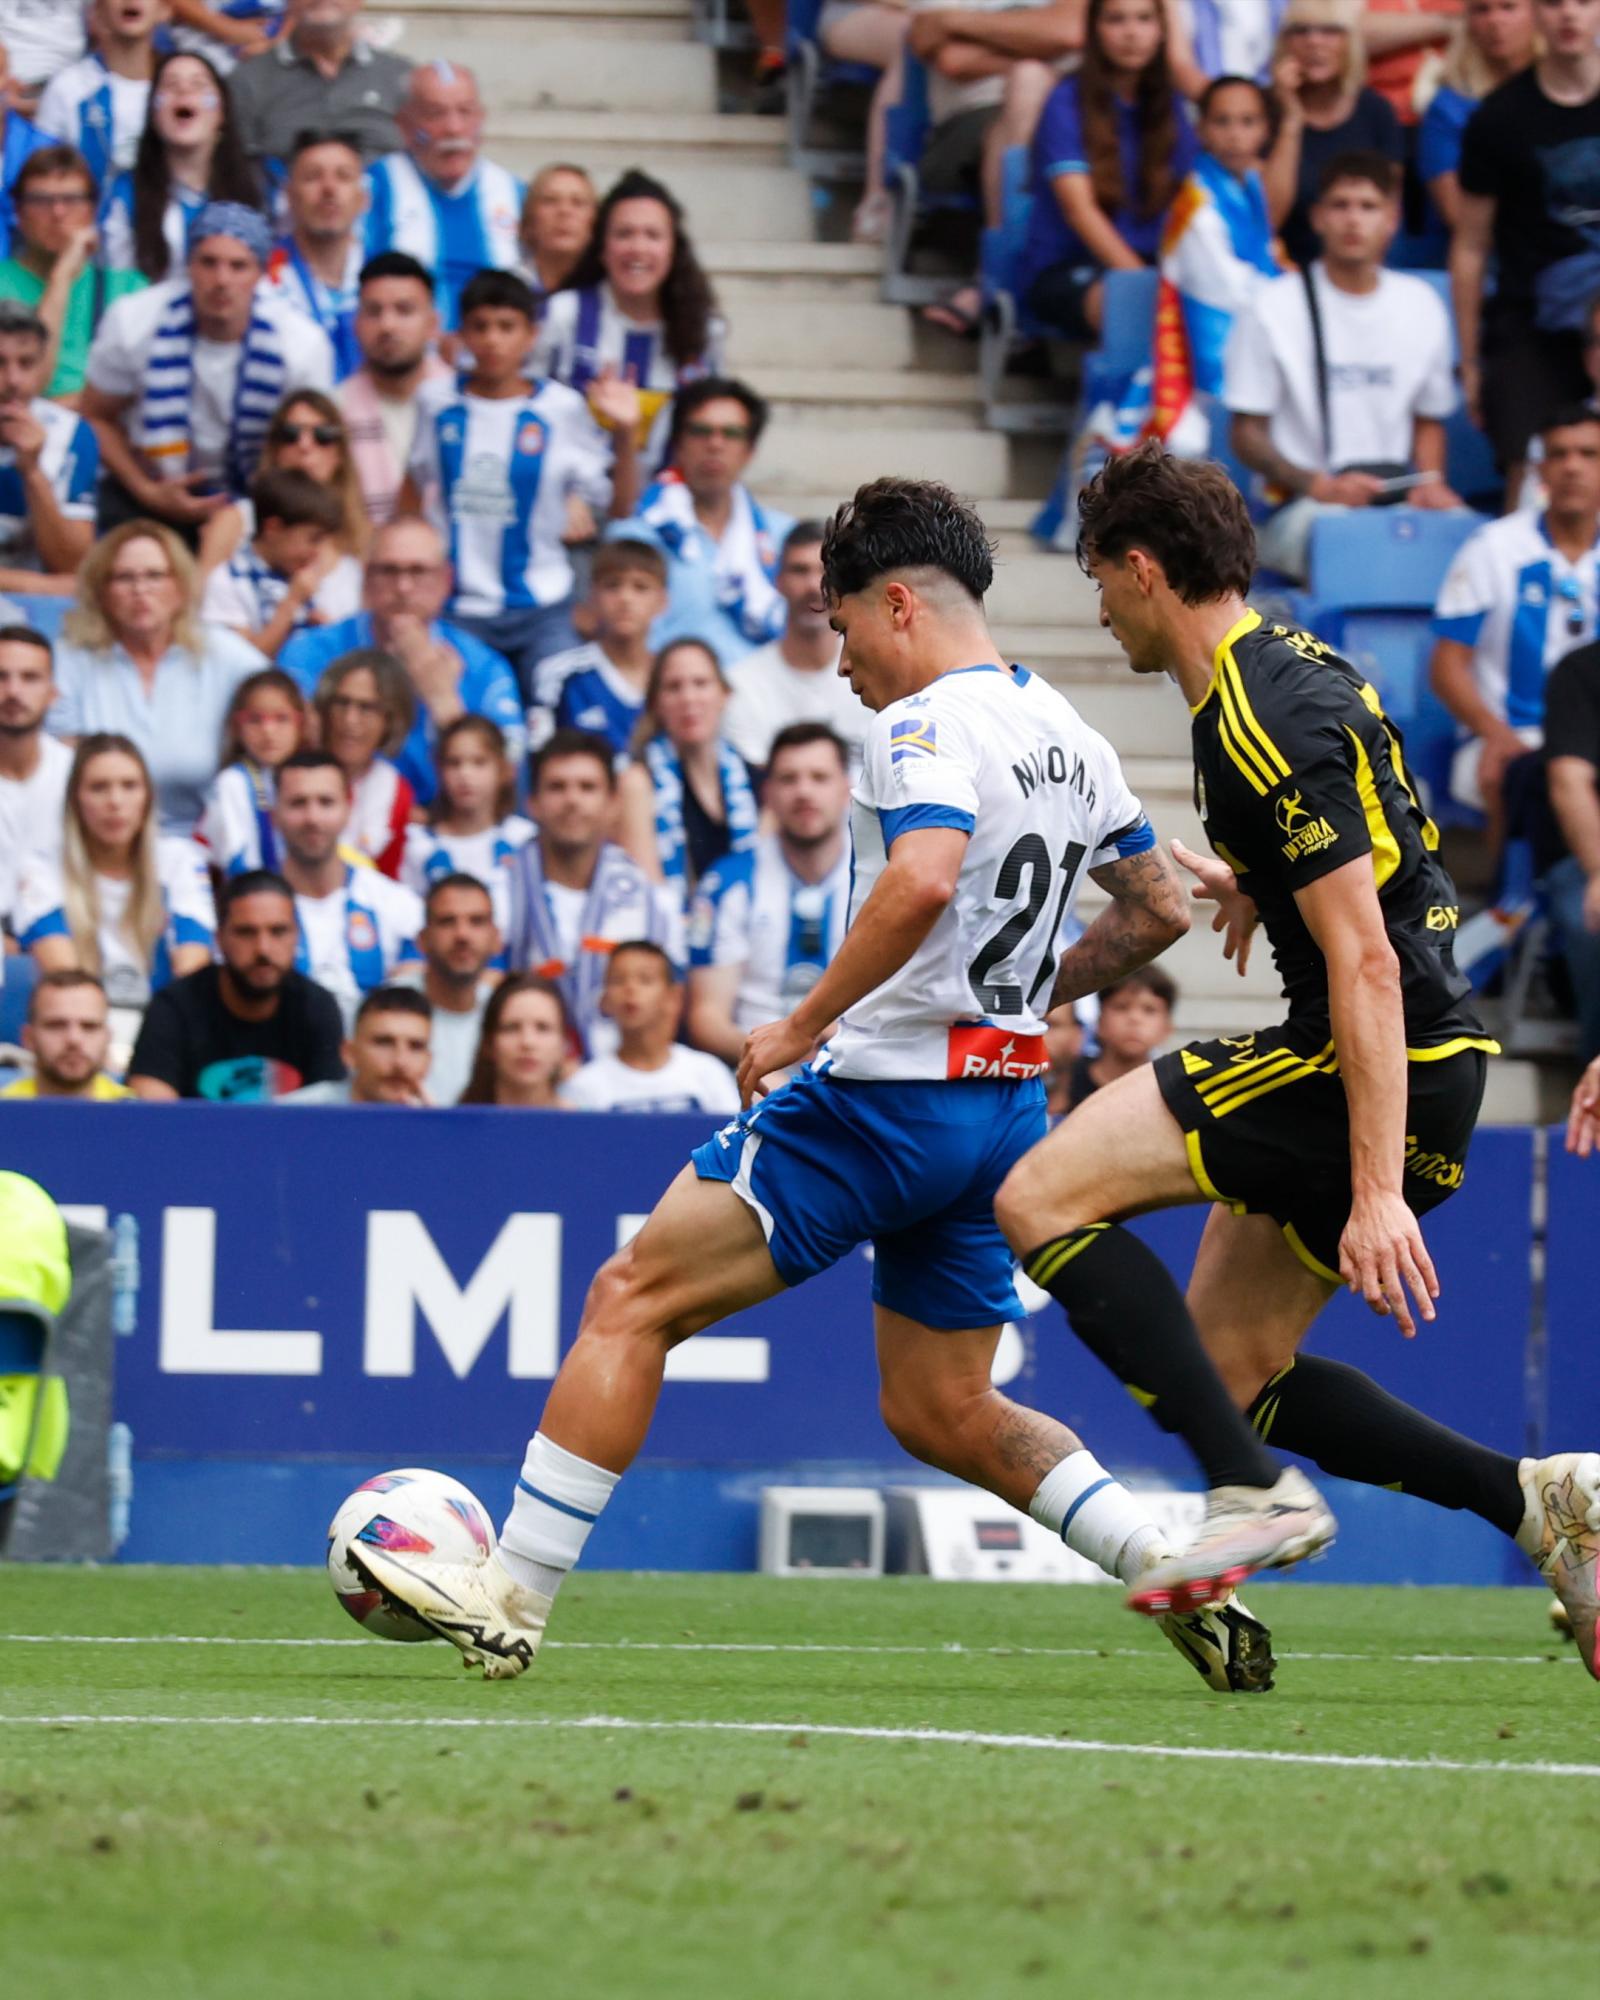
1267, 1127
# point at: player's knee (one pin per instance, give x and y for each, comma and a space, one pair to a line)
1034, 1204
618, 1306
929, 1420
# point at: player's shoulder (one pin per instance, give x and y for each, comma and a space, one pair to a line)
1281, 665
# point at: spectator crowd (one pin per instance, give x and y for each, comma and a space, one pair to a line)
392, 626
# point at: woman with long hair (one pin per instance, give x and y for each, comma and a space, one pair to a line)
638, 305
1111, 150
557, 223
1492, 41
190, 153
473, 827
364, 709
690, 798
1319, 82
523, 1046
125, 902
135, 657
266, 722
307, 434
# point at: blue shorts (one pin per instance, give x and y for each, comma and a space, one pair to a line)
829, 1162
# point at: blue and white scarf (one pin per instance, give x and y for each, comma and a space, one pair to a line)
623, 905
169, 390
739, 804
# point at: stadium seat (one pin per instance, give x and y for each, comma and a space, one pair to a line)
905, 134
43, 614
1469, 462
1006, 323
814, 78
17, 974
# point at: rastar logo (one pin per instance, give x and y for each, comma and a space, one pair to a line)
994, 1052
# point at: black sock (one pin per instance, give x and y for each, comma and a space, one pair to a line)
1127, 1310
1341, 1420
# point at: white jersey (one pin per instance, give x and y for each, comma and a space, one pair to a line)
99, 114
354, 939
70, 460
753, 911
1006, 760
689, 1080
432, 854
1515, 599
495, 475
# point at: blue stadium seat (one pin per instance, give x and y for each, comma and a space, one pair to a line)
17, 974
813, 77
43, 614
906, 127
1007, 325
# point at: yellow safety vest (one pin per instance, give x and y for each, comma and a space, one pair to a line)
34, 1268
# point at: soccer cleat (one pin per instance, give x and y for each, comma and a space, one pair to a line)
1246, 1528
1561, 1532
1229, 1649
495, 1622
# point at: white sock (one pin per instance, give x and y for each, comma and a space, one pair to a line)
558, 1500
1095, 1516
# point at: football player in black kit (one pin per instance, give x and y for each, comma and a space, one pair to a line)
1320, 1142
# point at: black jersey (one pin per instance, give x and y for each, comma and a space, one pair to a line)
1298, 771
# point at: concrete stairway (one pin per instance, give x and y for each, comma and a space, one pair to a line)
858, 388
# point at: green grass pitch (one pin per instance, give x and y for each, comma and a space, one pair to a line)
361, 1819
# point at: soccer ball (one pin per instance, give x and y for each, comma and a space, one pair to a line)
410, 1509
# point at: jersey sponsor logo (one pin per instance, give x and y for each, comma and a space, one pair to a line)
1436, 1167
1050, 765
994, 1052
1444, 917
1307, 835
915, 736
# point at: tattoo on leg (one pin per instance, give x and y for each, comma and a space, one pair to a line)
1028, 1441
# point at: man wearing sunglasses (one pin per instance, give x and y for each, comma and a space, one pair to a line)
1520, 595
722, 546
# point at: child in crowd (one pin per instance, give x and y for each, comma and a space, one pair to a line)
1217, 251
1135, 1019
651, 1070
496, 461
1111, 149
472, 827
266, 722
602, 686
271, 585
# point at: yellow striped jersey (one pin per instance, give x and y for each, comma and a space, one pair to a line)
1297, 772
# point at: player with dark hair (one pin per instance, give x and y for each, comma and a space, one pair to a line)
1320, 1142
983, 800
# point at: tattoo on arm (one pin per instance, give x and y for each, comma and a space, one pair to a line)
1252, 440
1148, 911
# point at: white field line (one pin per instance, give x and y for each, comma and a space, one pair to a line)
959, 1738
952, 1650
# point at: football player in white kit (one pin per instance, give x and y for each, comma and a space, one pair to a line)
982, 803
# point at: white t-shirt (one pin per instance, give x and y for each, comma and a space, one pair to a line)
689, 1080
1389, 362
1011, 763
566, 913
455, 1038
40, 37
32, 814
768, 694
120, 356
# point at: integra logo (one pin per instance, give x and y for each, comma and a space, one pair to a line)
1306, 834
